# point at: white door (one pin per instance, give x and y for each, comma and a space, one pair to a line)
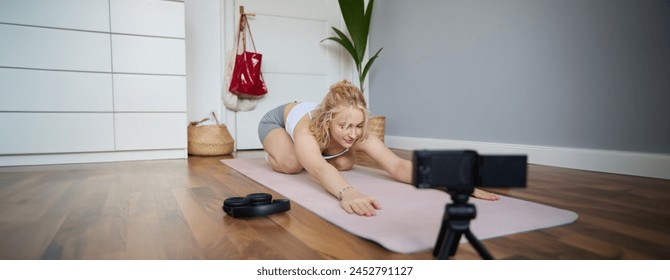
296, 65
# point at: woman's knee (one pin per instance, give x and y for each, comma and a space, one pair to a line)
288, 166
293, 168
343, 163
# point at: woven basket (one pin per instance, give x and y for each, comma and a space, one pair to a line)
376, 126
209, 140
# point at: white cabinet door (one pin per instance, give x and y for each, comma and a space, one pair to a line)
150, 131
90, 15
148, 17
135, 54
149, 93
45, 48
36, 133
296, 65
55, 91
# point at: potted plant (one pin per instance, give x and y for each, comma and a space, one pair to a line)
357, 19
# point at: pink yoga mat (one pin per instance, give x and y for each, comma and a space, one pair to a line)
410, 218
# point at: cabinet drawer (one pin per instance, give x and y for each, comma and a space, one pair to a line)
148, 55
142, 17
35, 133
44, 48
148, 131
142, 93
72, 14
40, 90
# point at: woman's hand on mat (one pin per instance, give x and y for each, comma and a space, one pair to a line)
481, 194
356, 202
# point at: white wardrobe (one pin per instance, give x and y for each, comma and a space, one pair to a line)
91, 81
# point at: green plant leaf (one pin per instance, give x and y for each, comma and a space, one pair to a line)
369, 64
357, 59
353, 12
357, 19
367, 17
346, 44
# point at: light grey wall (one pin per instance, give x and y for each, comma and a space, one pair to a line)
564, 73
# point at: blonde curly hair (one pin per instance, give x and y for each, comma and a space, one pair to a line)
341, 93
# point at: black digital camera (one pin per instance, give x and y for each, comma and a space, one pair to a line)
463, 170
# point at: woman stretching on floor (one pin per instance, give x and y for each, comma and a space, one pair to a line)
322, 139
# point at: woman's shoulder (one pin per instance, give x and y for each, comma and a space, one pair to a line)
371, 142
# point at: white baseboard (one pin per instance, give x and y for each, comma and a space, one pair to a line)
620, 162
44, 159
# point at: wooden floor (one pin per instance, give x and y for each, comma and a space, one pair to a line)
171, 209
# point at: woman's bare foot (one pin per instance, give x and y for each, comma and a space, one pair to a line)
481, 194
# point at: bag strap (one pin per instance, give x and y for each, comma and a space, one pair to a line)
242, 34
250, 35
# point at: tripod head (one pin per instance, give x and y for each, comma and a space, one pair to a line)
459, 198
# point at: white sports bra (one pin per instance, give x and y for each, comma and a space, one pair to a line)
297, 112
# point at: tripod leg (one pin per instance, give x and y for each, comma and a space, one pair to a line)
441, 237
449, 244
477, 245
454, 242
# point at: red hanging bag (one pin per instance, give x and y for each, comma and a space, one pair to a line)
247, 80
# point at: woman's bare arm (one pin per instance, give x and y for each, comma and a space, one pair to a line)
399, 168
309, 155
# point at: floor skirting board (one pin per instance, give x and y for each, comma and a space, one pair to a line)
620, 162
69, 158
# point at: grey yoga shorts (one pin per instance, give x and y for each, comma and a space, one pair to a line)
271, 120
